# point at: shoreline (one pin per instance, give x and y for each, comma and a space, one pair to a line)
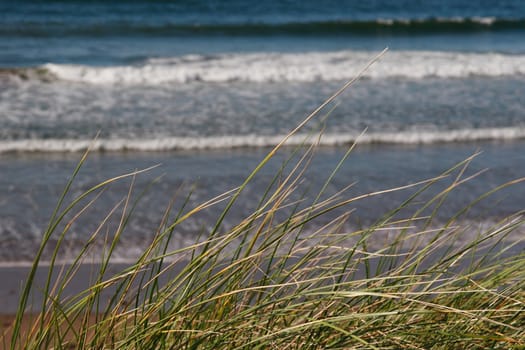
14, 278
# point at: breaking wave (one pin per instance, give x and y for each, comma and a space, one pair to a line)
253, 141
282, 67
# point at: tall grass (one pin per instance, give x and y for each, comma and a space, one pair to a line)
285, 277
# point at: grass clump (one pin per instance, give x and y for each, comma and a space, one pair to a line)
286, 278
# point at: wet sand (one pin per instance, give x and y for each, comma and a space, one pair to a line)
12, 280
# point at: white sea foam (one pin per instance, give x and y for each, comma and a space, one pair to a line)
247, 141
484, 20
129, 251
299, 67
488, 21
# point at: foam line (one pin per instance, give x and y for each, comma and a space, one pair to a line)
293, 67
254, 141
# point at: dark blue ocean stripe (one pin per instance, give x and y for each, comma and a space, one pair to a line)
337, 27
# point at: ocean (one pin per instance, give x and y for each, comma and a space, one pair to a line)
204, 88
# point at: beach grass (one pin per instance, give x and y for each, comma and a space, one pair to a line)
284, 277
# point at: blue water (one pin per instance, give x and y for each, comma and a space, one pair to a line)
121, 33
193, 83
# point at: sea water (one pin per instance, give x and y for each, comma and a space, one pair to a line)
204, 88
